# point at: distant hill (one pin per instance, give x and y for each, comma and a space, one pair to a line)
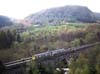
5, 21
62, 15
97, 15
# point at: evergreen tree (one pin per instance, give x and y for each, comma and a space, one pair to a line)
18, 38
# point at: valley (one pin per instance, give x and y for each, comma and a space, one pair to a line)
69, 35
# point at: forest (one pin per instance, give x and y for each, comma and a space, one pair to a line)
15, 44
22, 42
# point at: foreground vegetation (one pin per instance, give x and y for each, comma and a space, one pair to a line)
86, 63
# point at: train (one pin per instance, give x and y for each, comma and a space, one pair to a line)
61, 51
48, 53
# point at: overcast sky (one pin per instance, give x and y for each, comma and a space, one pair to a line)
22, 8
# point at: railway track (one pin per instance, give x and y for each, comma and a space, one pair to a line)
28, 59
